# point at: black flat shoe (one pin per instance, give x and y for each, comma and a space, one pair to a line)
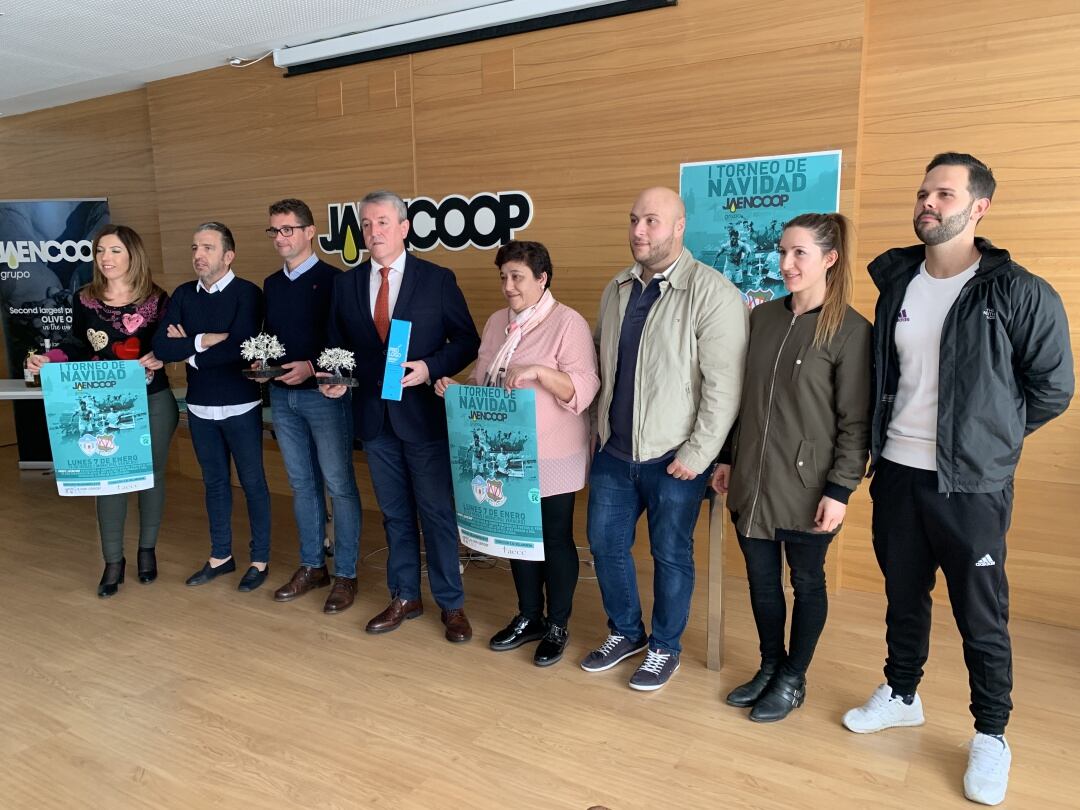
551, 646
147, 565
519, 631
253, 578
111, 579
209, 572
746, 695
785, 694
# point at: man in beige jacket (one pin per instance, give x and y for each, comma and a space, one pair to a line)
671, 338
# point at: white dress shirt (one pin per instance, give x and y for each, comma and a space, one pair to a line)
397, 272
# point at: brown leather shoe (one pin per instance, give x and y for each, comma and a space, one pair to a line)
303, 580
396, 612
457, 625
341, 595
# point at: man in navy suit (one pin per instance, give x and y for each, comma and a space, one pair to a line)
406, 441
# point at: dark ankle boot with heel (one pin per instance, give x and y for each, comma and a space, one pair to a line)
111, 579
147, 565
745, 696
785, 694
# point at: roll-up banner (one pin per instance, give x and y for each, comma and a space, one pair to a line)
45, 256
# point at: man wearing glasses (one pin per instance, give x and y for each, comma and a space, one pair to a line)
315, 433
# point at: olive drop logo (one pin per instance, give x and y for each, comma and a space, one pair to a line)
485, 221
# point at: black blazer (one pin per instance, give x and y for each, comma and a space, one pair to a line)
443, 336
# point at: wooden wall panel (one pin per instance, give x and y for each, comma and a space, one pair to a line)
583, 150
227, 143
96, 148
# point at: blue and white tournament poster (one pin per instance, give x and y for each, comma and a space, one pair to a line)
736, 210
493, 463
99, 426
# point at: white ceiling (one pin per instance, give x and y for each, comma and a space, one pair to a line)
57, 51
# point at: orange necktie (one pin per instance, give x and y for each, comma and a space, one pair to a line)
382, 305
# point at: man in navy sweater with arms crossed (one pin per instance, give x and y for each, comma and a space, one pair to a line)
205, 324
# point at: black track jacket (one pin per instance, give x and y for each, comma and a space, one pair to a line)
1006, 365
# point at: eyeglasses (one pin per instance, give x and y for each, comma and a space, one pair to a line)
284, 230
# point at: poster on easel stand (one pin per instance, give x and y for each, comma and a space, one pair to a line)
99, 426
736, 210
493, 463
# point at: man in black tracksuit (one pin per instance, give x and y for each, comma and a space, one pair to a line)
971, 355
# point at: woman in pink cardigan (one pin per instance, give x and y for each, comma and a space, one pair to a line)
541, 344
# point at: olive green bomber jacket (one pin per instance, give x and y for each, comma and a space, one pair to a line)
804, 421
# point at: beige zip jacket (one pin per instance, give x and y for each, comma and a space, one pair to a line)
689, 367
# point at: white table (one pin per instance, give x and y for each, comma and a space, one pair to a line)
17, 389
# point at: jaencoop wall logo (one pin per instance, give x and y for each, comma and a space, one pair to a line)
23, 252
485, 221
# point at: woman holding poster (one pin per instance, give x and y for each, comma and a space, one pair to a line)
115, 317
799, 450
539, 343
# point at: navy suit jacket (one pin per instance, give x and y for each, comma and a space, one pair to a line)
443, 336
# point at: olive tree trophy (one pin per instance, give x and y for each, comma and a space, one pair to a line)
260, 350
336, 361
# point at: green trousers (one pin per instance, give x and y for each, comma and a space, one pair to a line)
112, 509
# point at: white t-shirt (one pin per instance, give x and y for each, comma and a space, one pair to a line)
911, 436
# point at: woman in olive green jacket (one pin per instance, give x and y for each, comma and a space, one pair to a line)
799, 450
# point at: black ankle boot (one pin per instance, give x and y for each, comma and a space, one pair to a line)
747, 695
111, 578
147, 565
785, 693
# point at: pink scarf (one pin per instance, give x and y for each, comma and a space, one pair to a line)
521, 323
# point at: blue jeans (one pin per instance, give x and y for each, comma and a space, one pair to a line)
619, 492
412, 476
315, 435
241, 438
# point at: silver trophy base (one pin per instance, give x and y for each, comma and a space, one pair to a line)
263, 373
335, 379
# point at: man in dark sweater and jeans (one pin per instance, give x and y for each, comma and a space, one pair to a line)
205, 324
971, 355
315, 433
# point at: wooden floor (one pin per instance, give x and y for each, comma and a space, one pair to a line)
174, 697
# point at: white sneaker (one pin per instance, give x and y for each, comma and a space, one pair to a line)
884, 711
987, 776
